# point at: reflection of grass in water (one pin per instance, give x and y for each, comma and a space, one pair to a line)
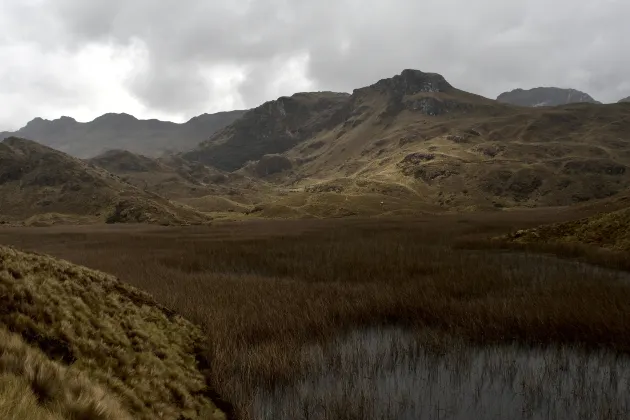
391, 374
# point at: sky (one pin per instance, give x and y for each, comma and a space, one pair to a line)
173, 60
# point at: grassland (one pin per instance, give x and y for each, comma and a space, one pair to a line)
79, 344
263, 291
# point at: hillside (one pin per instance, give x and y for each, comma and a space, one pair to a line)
79, 344
604, 224
274, 127
545, 96
607, 230
416, 143
625, 99
115, 131
39, 185
205, 188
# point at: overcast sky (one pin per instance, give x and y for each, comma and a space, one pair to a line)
172, 59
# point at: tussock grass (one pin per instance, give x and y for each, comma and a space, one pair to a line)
120, 338
264, 290
610, 230
34, 387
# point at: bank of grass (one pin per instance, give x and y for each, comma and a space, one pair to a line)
34, 387
262, 291
78, 344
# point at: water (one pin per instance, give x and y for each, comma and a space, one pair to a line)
387, 373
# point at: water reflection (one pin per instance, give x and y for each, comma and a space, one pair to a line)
389, 374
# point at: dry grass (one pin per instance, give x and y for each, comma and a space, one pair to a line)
40, 186
263, 290
34, 387
609, 230
139, 352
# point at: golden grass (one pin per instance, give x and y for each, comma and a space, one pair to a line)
137, 351
34, 387
609, 230
263, 290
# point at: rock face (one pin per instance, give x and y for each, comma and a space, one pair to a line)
123, 131
272, 128
545, 96
281, 125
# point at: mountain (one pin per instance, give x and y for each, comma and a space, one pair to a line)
192, 183
545, 96
281, 125
41, 185
625, 99
115, 131
414, 142
274, 127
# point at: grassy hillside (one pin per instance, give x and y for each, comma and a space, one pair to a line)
175, 178
79, 344
415, 134
40, 185
609, 230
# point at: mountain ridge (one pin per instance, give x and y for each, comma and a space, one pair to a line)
121, 130
545, 96
41, 185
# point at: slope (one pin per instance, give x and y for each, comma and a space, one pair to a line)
206, 188
39, 184
414, 142
274, 127
79, 344
545, 96
114, 131
606, 225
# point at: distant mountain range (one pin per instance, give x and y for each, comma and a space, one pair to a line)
405, 144
545, 96
122, 131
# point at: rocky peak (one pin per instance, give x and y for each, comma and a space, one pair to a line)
38, 122
545, 96
115, 118
411, 82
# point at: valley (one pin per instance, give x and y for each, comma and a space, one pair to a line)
407, 250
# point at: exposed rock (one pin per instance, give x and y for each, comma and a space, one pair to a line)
545, 96
272, 128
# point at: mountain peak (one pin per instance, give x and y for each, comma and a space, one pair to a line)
113, 116
411, 82
545, 96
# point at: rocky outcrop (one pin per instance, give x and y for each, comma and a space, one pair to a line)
272, 128
545, 96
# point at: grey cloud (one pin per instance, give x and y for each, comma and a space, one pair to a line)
485, 46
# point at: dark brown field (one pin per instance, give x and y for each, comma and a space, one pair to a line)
265, 290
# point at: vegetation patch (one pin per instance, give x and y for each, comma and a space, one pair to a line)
92, 341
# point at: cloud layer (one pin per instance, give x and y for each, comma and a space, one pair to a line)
172, 59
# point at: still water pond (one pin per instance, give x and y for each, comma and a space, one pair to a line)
386, 373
